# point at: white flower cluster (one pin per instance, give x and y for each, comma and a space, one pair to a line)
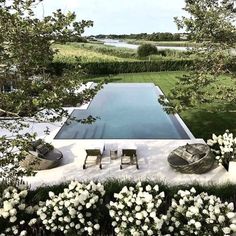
135, 211
74, 210
224, 146
199, 214
12, 206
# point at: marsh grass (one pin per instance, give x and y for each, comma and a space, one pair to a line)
72, 52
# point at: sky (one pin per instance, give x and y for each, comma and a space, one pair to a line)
120, 16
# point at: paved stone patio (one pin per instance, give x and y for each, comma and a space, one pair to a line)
152, 156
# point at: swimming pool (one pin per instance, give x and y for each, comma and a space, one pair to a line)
124, 111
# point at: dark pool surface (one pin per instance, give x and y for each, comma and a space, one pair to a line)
124, 111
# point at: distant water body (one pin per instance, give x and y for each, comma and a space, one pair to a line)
122, 44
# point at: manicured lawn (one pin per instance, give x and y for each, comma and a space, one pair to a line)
201, 120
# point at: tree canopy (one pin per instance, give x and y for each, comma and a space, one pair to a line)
25, 55
26, 52
211, 23
146, 49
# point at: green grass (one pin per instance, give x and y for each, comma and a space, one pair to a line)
163, 43
94, 52
202, 121
158, 78
108, 50
91, 53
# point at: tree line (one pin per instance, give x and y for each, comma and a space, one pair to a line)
159, 36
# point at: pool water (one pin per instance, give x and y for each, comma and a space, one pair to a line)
124, 111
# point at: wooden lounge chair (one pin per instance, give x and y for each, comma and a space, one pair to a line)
91, 153
129, 157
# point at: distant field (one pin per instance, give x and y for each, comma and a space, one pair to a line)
97, 52
108, 50
202, 121
163, 43
92, 53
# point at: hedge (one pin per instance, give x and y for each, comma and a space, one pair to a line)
104, 68
136, 66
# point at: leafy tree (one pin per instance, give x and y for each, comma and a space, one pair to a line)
211, 23
147, 49
25, 54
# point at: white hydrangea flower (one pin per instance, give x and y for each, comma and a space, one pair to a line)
221, 219
96, 226
233, 227
144, 227
226, 144
23, 193
231, 206
204, 213
138, 208
148, 188
13, 219
194, 210
131, 219
7, 206
21, 206
193, 190
29, 210
139, 216
198, 225
226, 230
71, 209
156, 188
13, 212
162, 194
230, 215
139, 204
32, 222
23, 233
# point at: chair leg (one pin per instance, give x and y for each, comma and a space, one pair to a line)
136, 158
121, 162
100, 161
84, 165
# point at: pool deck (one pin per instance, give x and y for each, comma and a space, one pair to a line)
152, 158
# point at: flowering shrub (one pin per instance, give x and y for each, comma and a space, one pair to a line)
202, 214
80, 210
135, 211
14, 211
224, 146
74, 210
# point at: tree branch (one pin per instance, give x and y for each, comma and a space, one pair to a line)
9, 113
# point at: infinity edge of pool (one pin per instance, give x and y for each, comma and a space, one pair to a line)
175, 120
